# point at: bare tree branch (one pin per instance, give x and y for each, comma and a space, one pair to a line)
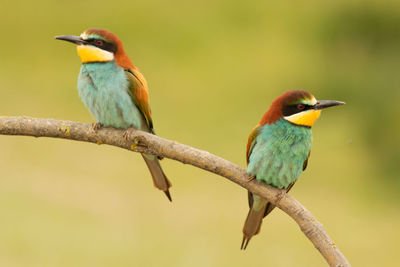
151, 144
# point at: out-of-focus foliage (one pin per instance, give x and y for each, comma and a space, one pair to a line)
213, 69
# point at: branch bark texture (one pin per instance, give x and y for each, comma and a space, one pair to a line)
147, 143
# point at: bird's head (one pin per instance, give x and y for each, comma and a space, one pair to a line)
99, 45
298, 107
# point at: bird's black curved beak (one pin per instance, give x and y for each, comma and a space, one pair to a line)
321, 104
70, 38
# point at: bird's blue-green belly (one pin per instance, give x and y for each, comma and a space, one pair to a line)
104, 89
279, 153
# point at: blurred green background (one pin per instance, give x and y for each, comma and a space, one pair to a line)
213, 68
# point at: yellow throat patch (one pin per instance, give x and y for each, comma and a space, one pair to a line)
305, 118
89, 53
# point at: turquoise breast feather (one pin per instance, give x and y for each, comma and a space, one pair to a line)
279, 153
104, 89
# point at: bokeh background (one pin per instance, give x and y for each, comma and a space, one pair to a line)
213, 68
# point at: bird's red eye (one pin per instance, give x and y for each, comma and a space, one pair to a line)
300, 106
99, 42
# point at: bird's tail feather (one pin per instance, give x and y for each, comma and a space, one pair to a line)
160, 180
253, 221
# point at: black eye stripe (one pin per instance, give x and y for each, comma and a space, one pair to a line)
105, 45
293, 109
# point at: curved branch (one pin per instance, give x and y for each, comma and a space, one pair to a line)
147, 143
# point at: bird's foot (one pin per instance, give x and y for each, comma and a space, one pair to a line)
251, 178
96, 126
127, 134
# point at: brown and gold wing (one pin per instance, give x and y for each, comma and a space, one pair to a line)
140, 95
252, 141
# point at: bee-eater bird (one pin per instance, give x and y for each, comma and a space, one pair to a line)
114, 90
278, 149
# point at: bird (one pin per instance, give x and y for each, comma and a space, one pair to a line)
278, 150
115, 91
